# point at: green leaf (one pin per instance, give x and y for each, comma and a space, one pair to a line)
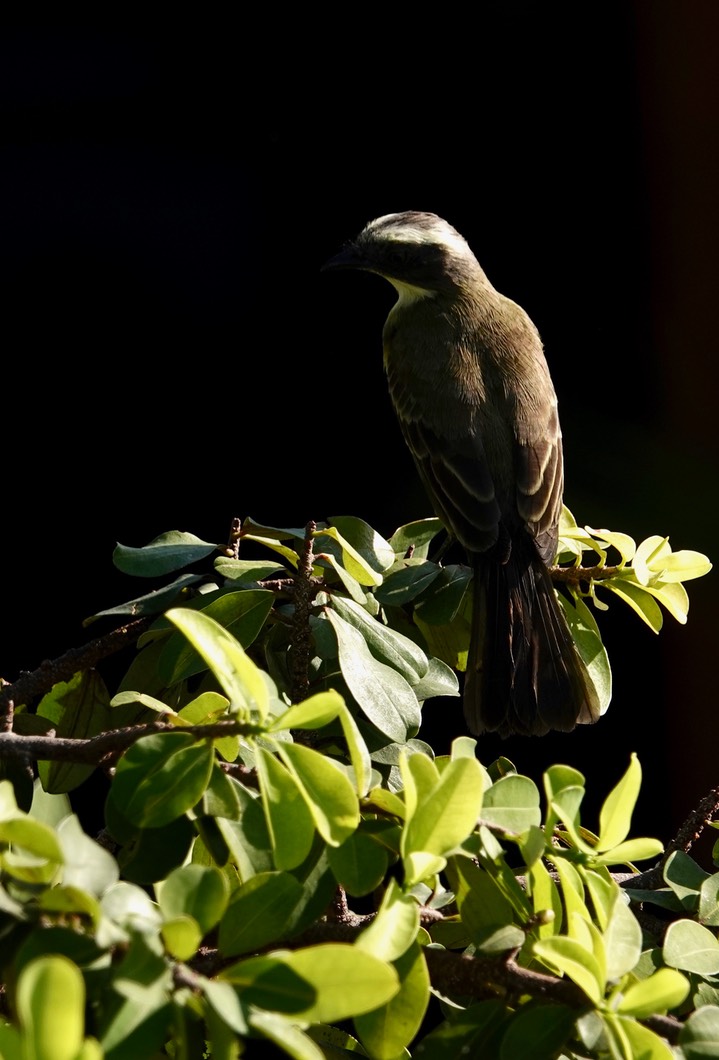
622, 940
168, 552
258, 912
153, 603
242, 614
358, 752
387, 1031
181, 937
50, 1002
346, 980
289, 819
286, 1035
576, 961
699, 1037
371, 546
638, 598
354, 563
382, 693
445, 596
320, 984
313, 713
482, 903
87, 865
512, 803
440, 680
448, 814
328, 793
135, 1022
198, 891
407, 583
247, 570
708, 912
615, 817
359, 864
641, 1043
79, 709
538, 1031
388, 646
394, 928
156, 851
632, 850
588, 641
623, 543
475, 1032
415, 537
160, 778
32, 837
691, 947
664, 990
682, 566
240, 679
685, 878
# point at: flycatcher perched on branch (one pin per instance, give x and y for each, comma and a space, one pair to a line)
477, 408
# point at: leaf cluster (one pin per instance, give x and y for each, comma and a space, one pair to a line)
278, 777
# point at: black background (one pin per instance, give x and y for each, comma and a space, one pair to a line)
172, 356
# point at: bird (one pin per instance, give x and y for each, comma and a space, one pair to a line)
471, 388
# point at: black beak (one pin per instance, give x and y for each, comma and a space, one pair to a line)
348, 258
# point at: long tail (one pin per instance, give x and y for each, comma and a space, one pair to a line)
524, 674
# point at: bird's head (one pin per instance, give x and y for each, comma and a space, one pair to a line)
417, 252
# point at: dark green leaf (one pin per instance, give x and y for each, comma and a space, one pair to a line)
168, 552
538, 1031
359, 864
443, 600
382, 693
160, 778
258, 912
407, 583
415, 537
153, 603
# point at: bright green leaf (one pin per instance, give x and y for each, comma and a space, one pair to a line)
240, 679
50, 1001
327, 791
387, 1031
663, 990
289, 819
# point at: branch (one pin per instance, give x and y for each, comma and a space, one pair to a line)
301, 641
577, 575
38, 682
93, 750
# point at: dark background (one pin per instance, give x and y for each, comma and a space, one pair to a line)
172, 356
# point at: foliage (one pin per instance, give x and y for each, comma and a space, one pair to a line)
264, 767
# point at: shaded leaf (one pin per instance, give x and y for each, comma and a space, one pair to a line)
168, 552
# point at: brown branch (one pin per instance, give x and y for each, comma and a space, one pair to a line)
94, 749
38, 682
301, 641
689, 832
577, 575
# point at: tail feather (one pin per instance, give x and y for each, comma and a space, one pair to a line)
524, 673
